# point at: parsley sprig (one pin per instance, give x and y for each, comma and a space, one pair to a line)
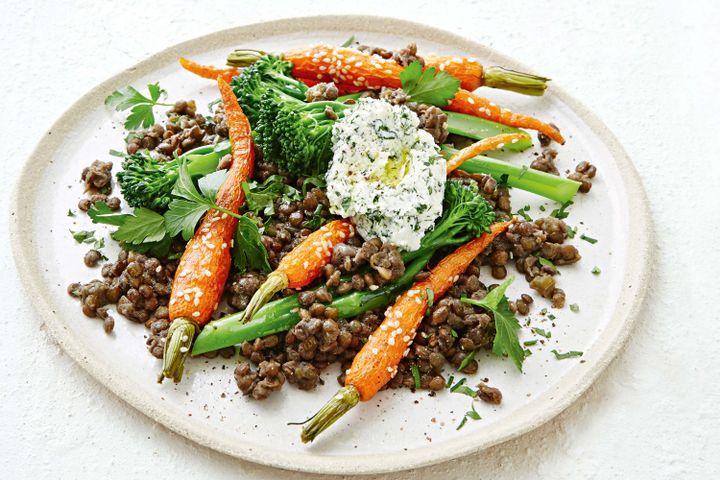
431, 86
140, 106
506, 325
147, 231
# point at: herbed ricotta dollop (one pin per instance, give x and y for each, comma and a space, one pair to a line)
386, 173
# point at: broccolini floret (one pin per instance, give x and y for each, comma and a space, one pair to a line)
148, 182
466, 215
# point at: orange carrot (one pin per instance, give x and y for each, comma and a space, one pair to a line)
353, 71
473, 104
376, 363
302, 265
208, 71
205, 264
468, 70
473, 75
492, 143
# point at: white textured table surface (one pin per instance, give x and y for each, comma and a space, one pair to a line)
648, 70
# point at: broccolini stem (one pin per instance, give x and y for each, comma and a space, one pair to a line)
341, 403
281, 315
525, 83
534, 181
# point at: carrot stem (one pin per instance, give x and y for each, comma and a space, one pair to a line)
519, 82
177, 348
275, 282
341, 403
244, 57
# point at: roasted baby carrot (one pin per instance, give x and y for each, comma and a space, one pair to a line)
376, 363
354, 71
302, 265
208, 71
472, 75
473, 104
493, 143
204, 267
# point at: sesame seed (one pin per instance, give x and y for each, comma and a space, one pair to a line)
224, 215
207, 273
183, 349
391, 341
383, 327
326, 60
158, 269
375, 351
398, 331
306, 264
172, 301
196, 302
406, 338
184, 338
471, 101
373, 287
224, 245
322, 68
186, 297
196, 314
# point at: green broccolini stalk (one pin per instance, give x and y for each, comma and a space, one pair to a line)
281, 315
467, 215
148, 182
534, 181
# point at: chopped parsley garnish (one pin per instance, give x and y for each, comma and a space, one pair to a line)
349, 41
562, 213
551, 316
431, 297
466, 361
541, 332
416, 376
571, 232
70, 213
588, 239
545, 262
570, 354
463, 389
453, 333
471, 414
574, 307
523, 213
595, 271
530, 343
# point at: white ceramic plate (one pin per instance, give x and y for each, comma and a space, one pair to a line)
398, 429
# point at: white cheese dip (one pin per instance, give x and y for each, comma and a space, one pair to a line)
386, 173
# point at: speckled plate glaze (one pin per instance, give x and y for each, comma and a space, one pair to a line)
398, 429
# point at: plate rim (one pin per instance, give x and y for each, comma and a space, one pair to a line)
577, 381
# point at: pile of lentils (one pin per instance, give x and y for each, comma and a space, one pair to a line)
139, 285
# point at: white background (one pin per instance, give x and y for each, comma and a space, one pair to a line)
650, 70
